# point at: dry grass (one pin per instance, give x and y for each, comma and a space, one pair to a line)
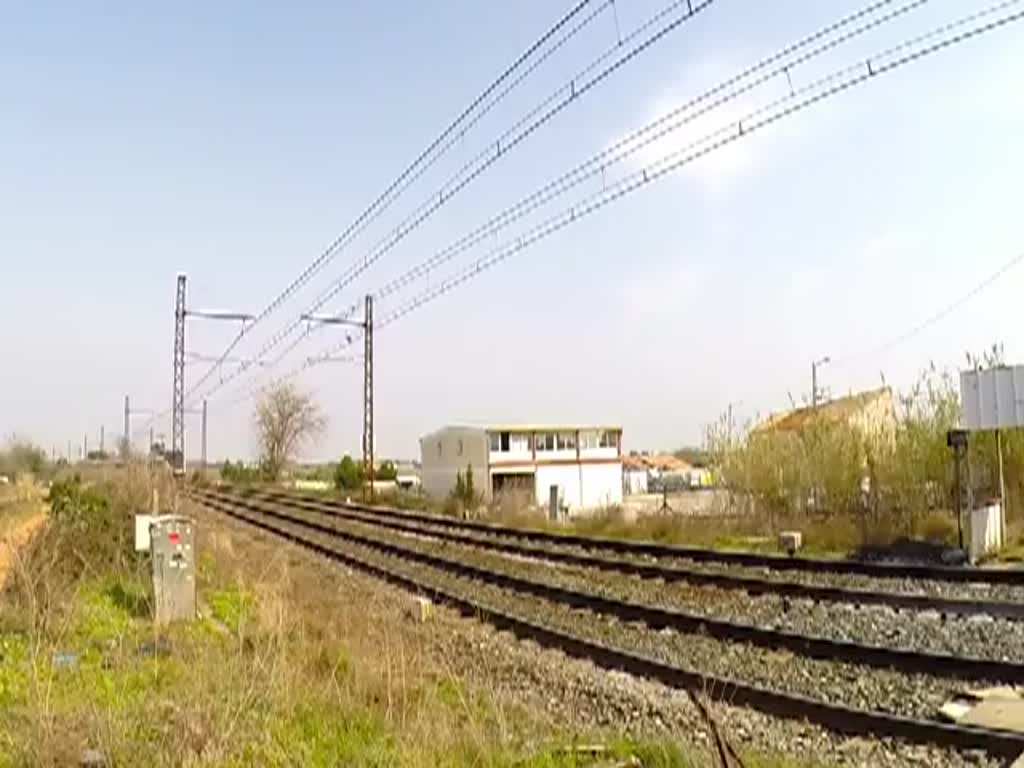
281, 670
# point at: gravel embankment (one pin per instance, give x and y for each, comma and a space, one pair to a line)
923, 587
973, 637
836, 682
577, 697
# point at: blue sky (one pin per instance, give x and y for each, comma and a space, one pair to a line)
234, 141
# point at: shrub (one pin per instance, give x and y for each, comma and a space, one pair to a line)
90, 532
386, 471
846, 486
239, 473
463, 497
939, 527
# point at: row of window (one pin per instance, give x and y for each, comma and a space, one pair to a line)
513, 442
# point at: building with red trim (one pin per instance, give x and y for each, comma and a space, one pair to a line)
582, 462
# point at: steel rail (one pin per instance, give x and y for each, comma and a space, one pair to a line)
937, 665
835, 717
954, 574
673, 574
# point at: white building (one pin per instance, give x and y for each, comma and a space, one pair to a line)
584, 462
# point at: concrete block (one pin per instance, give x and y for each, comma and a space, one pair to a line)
422, 609
791, 541
142, 523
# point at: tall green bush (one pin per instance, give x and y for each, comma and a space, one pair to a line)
348, 475
893, 479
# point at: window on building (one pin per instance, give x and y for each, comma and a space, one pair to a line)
500, 442
519, 443
545, 441
566, 441
589, 439
609, 439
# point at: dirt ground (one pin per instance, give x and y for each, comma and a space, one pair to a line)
12, 540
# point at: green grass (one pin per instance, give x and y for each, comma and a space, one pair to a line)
282, 672
256, 696
232, 606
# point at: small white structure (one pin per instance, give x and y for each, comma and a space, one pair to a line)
986, 531
636, 473
634, 480
992, 398
311, 485
584, 462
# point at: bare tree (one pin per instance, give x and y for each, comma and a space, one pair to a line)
285, 419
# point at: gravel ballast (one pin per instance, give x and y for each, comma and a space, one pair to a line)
971, 637
854, 685
908, 586
577, 695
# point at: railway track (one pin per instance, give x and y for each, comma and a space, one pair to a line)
276, 517
555, 548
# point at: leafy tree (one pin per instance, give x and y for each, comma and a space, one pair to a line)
470, 492
697, 457
239, 473
285, 419
348, 475
386, 471
464, 493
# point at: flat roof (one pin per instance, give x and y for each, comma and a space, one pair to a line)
504, 427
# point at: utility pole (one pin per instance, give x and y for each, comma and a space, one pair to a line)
367, 325
70, 457
128, 413
127, 445
85, 446
814, 379
103, 438
814, 408
178, 395
1003, 500
204, 433
368, 391
178, 403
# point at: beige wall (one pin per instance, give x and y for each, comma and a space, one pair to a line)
877, 418
449, 451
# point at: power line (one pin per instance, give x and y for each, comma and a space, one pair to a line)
653, 132
824, 88
434, 151
548, 109
937, 317
843, 79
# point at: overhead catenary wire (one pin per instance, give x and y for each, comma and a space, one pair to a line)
597, 71
822, 89
653, 132
482, 104
932, 319
785, 61
839, 81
